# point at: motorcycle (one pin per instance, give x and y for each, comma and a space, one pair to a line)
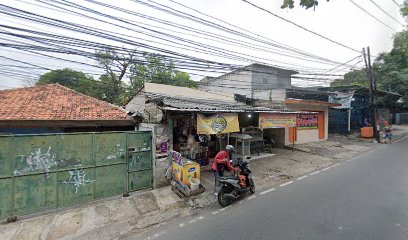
233, 187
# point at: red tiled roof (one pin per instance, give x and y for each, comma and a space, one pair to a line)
55, 102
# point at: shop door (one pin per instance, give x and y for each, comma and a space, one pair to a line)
292, 134
321, 124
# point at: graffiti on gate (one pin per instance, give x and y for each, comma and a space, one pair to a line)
37, 161
118, 151
138, 162
78, 179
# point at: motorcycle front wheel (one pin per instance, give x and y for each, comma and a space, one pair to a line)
224, 200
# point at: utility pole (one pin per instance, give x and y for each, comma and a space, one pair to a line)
373, 92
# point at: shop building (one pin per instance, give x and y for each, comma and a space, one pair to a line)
198, 124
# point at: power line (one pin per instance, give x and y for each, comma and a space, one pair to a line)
59, 44
299, 26
396, 3
284, 46
385, 12
371, 15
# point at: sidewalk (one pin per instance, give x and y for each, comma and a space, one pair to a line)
117, 218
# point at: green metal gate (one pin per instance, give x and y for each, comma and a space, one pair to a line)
41, 172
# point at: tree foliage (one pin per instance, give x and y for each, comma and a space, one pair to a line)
126, 72
391, 68
404, 9
75, 80
156, 69
355, 77
116, 66
303, 3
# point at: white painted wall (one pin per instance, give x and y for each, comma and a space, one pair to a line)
256, 81
236, 82
278, 95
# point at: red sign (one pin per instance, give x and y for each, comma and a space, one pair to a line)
307, 121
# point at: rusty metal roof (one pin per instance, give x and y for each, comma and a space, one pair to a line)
202, 105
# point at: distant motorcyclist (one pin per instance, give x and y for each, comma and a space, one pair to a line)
221, 164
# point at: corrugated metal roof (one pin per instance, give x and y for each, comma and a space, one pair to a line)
175, 91
202, 105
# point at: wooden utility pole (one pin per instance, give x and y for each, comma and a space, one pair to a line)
373, 92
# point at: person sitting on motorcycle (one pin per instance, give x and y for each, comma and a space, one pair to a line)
222, 163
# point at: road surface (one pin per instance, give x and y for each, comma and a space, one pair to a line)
362, 198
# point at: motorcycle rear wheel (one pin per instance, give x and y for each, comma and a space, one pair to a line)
224, 200
252, 188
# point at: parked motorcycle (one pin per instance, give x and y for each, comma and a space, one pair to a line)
236, 186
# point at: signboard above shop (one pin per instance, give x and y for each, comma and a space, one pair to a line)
268, 120
307, 121
218, 123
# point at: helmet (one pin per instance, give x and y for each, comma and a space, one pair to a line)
230, 148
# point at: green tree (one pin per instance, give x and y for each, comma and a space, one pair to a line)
303, 3
75, 80
126, 72
355, 77
156, 69
404, 8
391, 69
116, 66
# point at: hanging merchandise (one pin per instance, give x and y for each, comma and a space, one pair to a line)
218, 123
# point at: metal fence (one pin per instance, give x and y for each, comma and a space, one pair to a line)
41, 172
401, 118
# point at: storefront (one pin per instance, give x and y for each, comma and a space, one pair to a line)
199, 136
312, 124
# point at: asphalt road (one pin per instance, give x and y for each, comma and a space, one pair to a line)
363, 198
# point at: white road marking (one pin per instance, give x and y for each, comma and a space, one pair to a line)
223, 209
314, 173
285, 184
325, 169
200, 218
268, 191
336, 165
215, 212
182, 224
300, 178
156, 235
240, 202
252, 197
401, 139
349, 160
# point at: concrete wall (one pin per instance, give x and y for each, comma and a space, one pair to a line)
255, 82
236, 82
160, 164
310, 135
137, 104
149, 111
278, 95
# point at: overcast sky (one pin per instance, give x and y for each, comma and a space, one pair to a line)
338, 20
